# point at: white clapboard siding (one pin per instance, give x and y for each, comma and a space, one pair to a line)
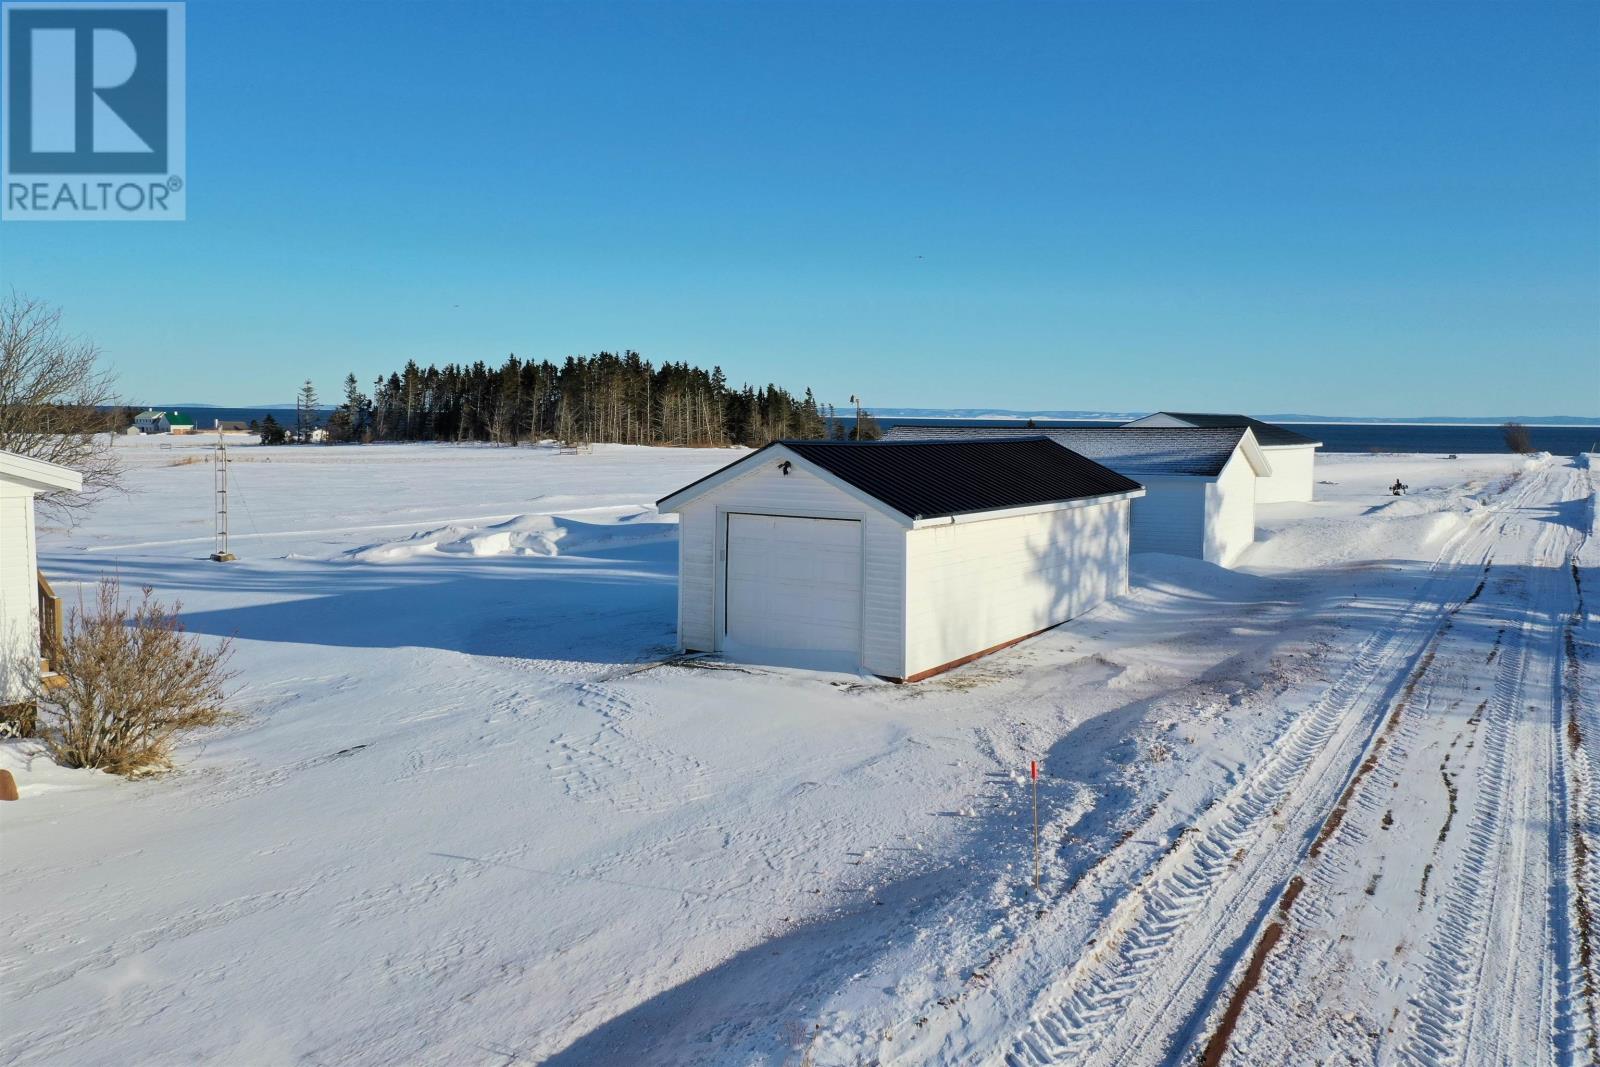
1293, 476
19, 595
976, 585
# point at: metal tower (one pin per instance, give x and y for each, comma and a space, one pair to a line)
219, 469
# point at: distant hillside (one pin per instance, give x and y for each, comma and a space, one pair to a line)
1125, 416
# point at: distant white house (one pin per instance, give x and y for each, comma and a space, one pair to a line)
152, 421
29, 609
902, 559
1201, 483
1293, 455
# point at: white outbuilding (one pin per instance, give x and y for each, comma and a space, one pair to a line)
1293, 456
902, 559
29, 611
1200, 499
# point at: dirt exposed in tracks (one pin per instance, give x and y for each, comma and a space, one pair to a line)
1581, 859
1218, 1045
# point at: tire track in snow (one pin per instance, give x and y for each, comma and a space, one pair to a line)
1483, 964
1445, 1011
1132, 979
1476, 965
1577, 904
1151, 925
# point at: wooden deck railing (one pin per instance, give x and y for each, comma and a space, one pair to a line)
49, 625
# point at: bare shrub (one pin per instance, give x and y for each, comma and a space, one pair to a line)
19, 720
1516, 437
135, 683
55, 400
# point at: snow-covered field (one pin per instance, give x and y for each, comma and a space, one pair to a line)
1336, 806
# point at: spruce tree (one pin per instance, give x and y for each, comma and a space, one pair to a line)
305, 406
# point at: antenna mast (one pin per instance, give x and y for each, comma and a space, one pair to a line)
219, 468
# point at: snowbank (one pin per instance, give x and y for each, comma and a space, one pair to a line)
524, 535
1356, 516
36, 773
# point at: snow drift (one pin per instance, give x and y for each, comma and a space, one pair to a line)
523, 535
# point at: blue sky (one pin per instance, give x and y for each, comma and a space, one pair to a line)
1385, 209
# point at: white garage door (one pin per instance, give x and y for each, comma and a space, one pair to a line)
794, 583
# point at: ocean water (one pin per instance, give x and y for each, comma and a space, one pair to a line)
1370, 436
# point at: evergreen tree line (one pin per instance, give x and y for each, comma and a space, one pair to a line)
623, 399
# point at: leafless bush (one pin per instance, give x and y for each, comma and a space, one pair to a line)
55, 400
19, 720
1517, 439
135, 683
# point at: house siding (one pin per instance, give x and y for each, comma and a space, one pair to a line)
973, 586
19, 602
1293, 474
765, 490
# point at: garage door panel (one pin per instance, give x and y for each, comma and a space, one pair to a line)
794, 583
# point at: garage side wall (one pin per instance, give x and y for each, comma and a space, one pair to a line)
1293, 475
765, 490
1230, 512
972, 586
19, 598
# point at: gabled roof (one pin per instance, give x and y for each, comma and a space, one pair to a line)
37, 475
942, 479
1266, 433
178, 418
1135, 451
150, 413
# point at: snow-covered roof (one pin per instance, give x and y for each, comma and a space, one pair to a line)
1132, 451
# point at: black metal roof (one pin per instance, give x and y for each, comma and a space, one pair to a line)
932, 479
1266, 432
1130, 450
935, 479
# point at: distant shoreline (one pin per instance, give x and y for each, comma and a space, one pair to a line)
1277, 422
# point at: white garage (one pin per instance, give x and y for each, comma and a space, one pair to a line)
1293, 456
22, 587
900, 559
1201, 483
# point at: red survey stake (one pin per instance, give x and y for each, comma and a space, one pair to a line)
1033, 773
